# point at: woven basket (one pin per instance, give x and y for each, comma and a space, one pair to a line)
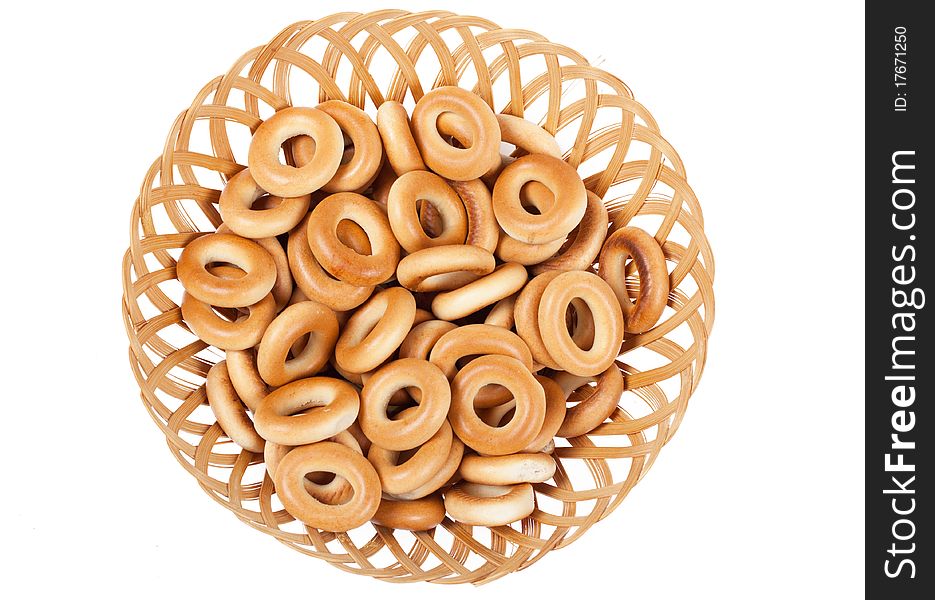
365, 59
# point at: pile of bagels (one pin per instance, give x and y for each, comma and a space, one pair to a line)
411, 317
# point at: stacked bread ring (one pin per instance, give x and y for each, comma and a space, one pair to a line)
411, 352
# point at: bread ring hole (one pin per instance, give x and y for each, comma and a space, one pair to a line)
580, 323
298, 346
320, 477
430, 218
582, 394
348, 154
394, 412
464, 360
324, 487
266, 202
506, 418
305, 144
511, 150
302, 345
454, 130
353, 236
230, 315
225, 270
535, 197
405, 455
286, 155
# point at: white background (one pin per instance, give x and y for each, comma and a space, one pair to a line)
760, 493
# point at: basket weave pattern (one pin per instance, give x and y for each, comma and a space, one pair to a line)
365, 59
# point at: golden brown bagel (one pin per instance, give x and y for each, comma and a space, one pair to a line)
594, 404
283, 287
411, 515
477, 504
310, 317
245, 377
334, 458
343, 262
314, 281
508, 470
654, 276
459, 164
376, 330
566, 211
530, 405
358, 172
402, 210
413, 426
418, 469
402, 154
307, 411
526, 317
586, 240
444, 268
247, 255
504, 281
286, 181
442, 475
237, 209
230, 413
606, 315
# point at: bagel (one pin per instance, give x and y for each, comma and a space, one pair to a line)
284, 180
307, 411
501, 313
402, 210
256, 263
555, 410
323, 486
230, 413
419, 341
245, 377
650, 262
345, 263
305, 318
443, 268
527, 392
482, 228
489, 505
236, 206
586, 240
442, 475
314, 281
607, 317
459, 164
594, 405
361, 169
413, 426
527, 136
504, 281
245, 332
479, 339
376, 330
418, 469
411, 515
526, 317
328, 457
283, 287
566, 211
508, 470
402, 154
